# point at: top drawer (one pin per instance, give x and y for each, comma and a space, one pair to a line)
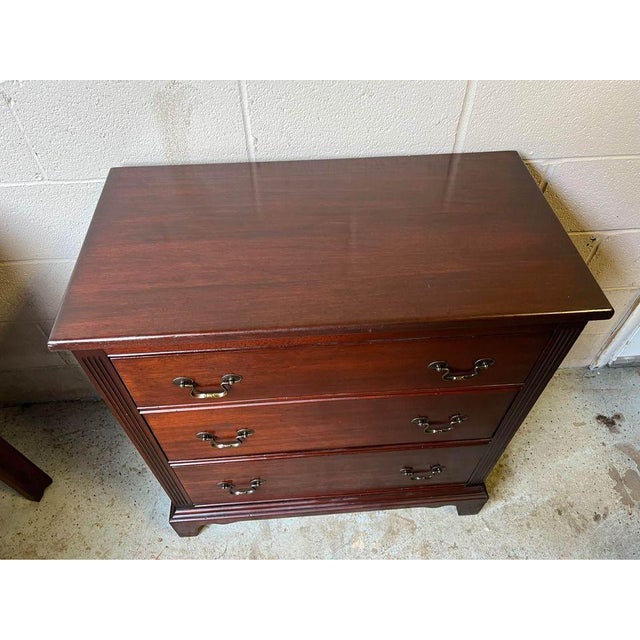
273, 374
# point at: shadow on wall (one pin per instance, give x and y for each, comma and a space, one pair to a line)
606, 257
29, 372
30, 294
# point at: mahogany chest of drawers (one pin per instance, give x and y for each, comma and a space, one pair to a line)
324, 336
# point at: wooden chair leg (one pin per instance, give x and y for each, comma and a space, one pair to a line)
21, 474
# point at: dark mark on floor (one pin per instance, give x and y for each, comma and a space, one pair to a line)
620, 487
632, 482
610, 422
575, 520
601, 516
631, 451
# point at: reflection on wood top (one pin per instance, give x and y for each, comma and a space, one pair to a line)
361, 244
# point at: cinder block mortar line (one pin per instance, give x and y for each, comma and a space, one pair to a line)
548, 175
49, 366
594, 248
541, 170
621, 289
545, 181
60, 361
606, 232
246, 120
465, 116
38, 261
34, 183
11, 104
597, 244
563, 160
581, 233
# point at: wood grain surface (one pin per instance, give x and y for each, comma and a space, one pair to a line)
329, 286
332, 424
325, 475
356, 244
280, 374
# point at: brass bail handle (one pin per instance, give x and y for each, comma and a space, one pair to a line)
443, 367
429, 427
226, 382
241, 436
252, 488
428, 474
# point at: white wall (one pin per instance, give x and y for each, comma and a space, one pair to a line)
58, 140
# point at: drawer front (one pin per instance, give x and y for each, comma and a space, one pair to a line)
326, 474
336, 370
332, 424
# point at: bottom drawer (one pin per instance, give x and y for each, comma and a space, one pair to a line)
323, 475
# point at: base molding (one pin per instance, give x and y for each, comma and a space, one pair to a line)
187, 521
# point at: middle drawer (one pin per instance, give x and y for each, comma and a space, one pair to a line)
328, 424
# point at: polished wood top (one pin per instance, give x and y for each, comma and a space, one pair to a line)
363, 244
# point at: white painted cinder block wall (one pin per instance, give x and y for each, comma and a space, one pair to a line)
59, 139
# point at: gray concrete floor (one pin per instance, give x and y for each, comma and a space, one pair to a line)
568, 486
